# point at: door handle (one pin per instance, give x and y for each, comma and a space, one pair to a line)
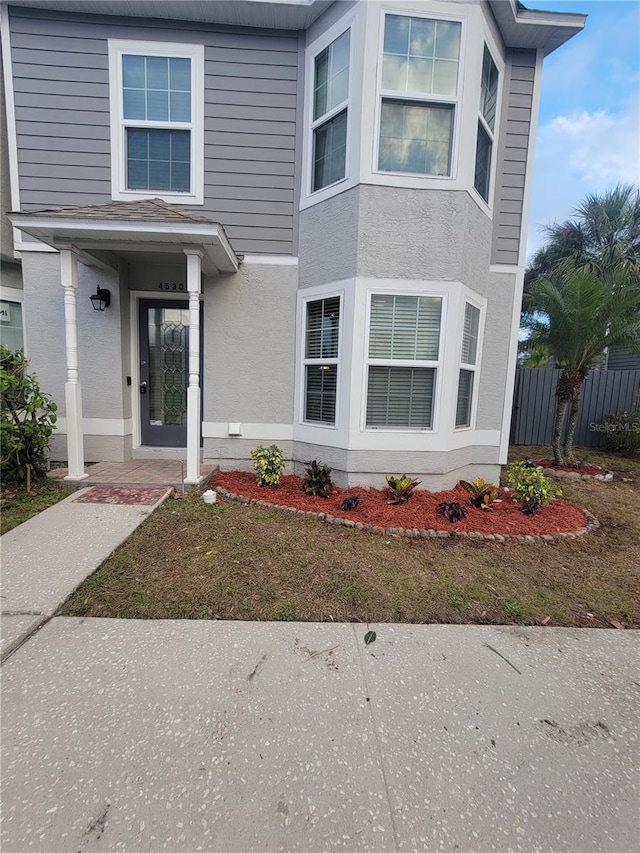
143, 387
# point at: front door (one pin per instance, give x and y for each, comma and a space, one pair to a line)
164, 372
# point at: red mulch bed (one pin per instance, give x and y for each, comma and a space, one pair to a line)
577, 469
420, 511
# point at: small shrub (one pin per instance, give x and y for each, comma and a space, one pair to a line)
531, 507
481, 494
529, 483
27, 421
401, 488
621, 433
318, 480
268, 464
350, 502
452, 511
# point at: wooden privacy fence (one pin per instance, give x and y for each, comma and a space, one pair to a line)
534, 403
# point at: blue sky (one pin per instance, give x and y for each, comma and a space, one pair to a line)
589, 125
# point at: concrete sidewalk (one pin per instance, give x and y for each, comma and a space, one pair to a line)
47, 557
234, 737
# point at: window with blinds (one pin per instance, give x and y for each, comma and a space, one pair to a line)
403, 359
468, 359
321, 354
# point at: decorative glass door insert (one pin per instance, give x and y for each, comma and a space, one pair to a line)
164, 372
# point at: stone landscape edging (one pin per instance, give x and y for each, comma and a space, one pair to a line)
605, 477
416, 532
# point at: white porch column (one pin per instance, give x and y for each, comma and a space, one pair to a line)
194, 269
72, 389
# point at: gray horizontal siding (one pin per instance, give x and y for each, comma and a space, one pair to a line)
623, 360
513, 144
61, 84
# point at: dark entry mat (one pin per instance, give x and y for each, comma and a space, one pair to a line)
121, 495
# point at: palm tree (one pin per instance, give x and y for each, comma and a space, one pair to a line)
576, 314
604, 233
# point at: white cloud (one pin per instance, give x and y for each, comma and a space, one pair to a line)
577, 155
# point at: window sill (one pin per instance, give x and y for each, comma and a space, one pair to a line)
171, 198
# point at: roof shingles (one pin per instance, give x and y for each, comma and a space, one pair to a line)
146, 210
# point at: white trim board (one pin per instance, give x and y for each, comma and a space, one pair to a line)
271, 260
248, 431
10, 110
100, 426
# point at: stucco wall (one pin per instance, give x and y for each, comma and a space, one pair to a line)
329, 239
496, 351
249, 339
440, 470
416, 234
99, 347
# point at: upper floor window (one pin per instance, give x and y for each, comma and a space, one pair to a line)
486, 124
157, 120
403, 361
419, 94
330, 108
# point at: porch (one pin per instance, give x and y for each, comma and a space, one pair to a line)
137, 472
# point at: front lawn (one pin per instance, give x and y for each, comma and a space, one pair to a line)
231, 561
18, 505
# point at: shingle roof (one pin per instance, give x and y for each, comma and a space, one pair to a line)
147, 210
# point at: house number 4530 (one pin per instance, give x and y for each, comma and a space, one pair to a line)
165, 285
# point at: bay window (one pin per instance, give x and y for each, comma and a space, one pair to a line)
486, 124
330, 112
419, 95
403, 361
468, 359
321, 354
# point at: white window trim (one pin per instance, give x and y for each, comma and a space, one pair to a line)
311, 361
350, 21
13, 294
328, 116
487, 204
436, 365
474, 368
420, 98
194, 52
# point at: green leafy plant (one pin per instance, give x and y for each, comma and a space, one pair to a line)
529, 483
401, 488
621, 433
481, 494
351, 502
268, 463
26, 423
318, 480
452, 511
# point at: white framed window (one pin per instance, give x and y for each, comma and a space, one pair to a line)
157, 120
330, 113
486, 124
403, 360
419, 95
468, 365
321, 360
11, 333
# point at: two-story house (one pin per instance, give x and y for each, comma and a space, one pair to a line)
299, 223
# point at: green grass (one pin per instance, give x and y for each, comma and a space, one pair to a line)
230, 561
19, 506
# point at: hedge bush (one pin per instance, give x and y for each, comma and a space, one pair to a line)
621, 433
27, 419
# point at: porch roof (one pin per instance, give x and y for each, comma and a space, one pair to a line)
99, 232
